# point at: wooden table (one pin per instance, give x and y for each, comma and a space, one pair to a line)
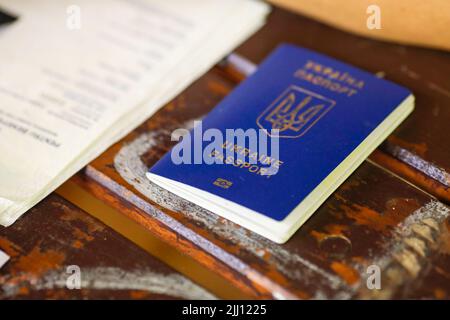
390, 213
56, 239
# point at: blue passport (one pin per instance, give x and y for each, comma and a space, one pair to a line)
275, 148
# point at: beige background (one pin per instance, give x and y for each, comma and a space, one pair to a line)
418, 22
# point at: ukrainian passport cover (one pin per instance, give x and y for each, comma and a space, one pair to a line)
303, 122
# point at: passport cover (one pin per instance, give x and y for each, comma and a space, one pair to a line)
352, 104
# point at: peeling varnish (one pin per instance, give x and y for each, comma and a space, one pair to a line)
107, 278
9, 247
129, 165
418, 163
412, 243
409, 261
90, 226
40, 261
68, 214
417, 245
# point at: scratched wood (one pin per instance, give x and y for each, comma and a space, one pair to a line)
367, 221
55, 235
374, 218
419, 150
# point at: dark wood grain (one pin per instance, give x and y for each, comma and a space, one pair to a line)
55, 235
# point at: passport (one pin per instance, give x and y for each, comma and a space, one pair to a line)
308, 121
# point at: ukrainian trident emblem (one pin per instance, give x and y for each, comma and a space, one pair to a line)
294, 112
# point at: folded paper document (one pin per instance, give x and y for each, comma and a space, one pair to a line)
76, 76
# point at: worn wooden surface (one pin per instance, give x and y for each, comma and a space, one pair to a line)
55, 235
374, 218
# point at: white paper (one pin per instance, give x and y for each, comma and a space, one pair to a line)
66, 95
3, 258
